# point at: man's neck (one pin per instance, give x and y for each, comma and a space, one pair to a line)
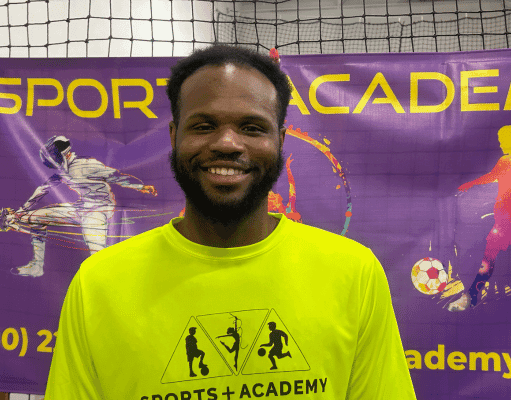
253, 228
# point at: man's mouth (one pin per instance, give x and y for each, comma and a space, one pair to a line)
226, 171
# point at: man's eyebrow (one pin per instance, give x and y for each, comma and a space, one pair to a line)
212, 117
200, 116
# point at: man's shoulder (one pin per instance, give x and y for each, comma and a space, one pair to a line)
322, 238
85, 161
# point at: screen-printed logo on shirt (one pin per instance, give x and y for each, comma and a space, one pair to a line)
231, 343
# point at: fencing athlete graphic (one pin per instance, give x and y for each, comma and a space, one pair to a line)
499, 237
276, 336
91, 179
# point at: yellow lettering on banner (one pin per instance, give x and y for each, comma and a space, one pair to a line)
507, 106
10, 339
11, 96
464, 82
32, 83
440, 356
484, 357
414, 92
141, 104
379, 80
456, 358
507, 360
296, 99
87, 113
313, 94
414, 359
162, 81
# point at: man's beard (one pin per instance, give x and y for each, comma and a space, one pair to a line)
225, 212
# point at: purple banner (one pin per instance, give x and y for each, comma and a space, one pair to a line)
405, 153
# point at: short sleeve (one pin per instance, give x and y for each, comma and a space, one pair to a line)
72, 374
379, 371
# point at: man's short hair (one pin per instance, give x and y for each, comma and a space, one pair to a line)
221, 55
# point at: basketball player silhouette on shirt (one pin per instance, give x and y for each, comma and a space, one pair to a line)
276, 336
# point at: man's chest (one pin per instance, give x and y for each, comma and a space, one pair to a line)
245, 334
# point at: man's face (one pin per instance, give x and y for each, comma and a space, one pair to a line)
227, 147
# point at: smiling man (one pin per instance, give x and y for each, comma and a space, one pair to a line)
124, 323
227, 153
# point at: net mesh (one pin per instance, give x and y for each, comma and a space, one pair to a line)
110, 28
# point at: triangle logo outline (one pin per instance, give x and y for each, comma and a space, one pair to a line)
209, 322
193, 352
300, 365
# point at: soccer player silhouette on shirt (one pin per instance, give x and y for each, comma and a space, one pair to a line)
499, 237
192, 351
276, 336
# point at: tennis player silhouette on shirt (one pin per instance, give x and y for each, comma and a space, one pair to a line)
276, 336
233, 332
499, 237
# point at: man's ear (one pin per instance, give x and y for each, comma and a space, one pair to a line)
172, 130
282, 134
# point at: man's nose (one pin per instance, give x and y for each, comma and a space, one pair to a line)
227, 140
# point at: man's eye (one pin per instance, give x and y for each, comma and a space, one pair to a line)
253, 129
203, 127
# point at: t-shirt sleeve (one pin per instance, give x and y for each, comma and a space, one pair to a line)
72, 373
379, 371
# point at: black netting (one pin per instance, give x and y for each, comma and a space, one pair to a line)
66, 28
399, 29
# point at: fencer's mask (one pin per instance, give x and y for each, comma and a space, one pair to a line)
53, 153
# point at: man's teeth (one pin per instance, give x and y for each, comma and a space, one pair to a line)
225, 171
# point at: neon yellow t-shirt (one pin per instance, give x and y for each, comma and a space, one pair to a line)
304, 314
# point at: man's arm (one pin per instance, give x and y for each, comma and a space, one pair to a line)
40, 192
112, 175
502, 165
268, 344
284, 334
380, 370
72, 373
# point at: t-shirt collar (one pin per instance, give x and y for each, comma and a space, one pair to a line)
230, 253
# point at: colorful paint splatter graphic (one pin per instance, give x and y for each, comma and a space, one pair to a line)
336, 168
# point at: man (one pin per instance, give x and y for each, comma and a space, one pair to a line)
192, 351
499, 237
276, 336
120, 333
88, 177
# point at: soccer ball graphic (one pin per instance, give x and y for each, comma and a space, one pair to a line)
429, 276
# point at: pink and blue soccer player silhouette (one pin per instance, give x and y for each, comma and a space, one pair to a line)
499, 237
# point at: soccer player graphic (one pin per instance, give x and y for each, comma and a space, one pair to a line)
276, 336
91, 179
235, 334
499, 237
192, 351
